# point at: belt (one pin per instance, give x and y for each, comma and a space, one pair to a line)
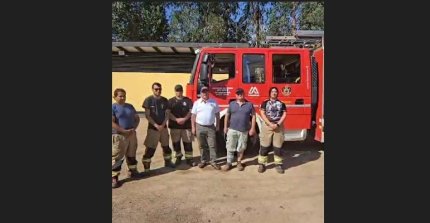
206, 125
273, 123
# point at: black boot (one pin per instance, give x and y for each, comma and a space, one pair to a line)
191, 162
146, 167
133, 174
178, 160
168, 163
261, 168
115, 182
279, 169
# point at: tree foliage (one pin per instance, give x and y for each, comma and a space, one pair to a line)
212, 21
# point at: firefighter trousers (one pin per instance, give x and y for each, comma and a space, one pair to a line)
123, 146
185, 135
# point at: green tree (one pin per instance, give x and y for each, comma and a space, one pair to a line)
203, 22
283, 18
184, 26
229, 12
139, 21
213, 21
312, 17
252, 21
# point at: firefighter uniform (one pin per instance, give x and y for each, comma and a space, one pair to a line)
124, 145
273, 109
180, 107
157, 108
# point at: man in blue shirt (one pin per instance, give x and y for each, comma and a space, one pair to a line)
124, 141
238, 123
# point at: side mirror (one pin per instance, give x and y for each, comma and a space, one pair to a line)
207, 61
205, 58
208, 58
204, 75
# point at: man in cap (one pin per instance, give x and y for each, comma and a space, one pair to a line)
180, 125
238, 123
204, 124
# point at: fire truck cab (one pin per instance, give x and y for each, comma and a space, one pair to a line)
297, 72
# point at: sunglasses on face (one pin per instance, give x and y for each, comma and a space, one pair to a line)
157, 89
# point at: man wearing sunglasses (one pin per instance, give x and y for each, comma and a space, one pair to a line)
157, 113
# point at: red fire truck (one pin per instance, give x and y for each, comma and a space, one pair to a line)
294, 66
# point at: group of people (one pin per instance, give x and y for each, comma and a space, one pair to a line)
187, 120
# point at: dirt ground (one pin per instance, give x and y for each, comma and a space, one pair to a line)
199, 195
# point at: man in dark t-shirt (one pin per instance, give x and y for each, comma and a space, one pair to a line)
238, 123
157, 112
180, 125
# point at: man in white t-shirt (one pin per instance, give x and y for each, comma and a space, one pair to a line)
205, 123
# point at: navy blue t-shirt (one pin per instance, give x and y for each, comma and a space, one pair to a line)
180, 108
240, 115
157, 108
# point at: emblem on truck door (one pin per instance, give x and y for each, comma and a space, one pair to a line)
253, 91
286, 90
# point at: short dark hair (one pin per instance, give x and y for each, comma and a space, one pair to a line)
239, 91
116, 91
178, 87
156, 83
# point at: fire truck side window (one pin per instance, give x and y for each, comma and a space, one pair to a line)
286, 68
253, 68
223, 68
